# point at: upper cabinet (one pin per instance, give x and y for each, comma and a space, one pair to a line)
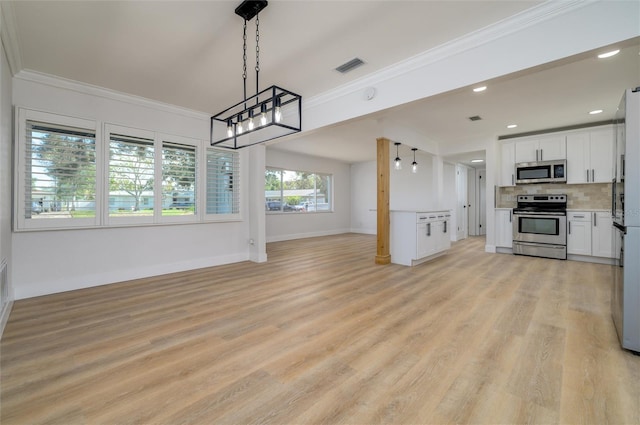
541, 148
590, 156
508, 170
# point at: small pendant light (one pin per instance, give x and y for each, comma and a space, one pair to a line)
398, 161
414, 165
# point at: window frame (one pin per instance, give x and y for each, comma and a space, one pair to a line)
238, 182
102, 219
20, 172
282, 197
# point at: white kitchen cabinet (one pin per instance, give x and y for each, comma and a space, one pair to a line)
541, 148
508, 176
579, 233
416, 237
602, 235
504, 227
590, 156
590, 233
442, 229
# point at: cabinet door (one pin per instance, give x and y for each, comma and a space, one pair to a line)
426, 244
504, 228
602, 235
508, 176
443, 241
601, 147
552, 147
527, 150
578, 158
579, 235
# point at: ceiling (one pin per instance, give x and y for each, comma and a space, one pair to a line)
190, 54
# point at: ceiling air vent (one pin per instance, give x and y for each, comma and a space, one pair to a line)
350, 66
475, 118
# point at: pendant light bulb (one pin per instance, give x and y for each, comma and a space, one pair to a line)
414, 164
250, 125
263, 114
229, 128
397, 161
277, 111
239, 129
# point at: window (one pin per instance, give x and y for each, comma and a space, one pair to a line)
223, 191
131, 175
178, 179
58, 162
297, 191
73, 173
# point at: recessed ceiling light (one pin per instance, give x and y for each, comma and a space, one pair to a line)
477, 160
479, 89
596, 111
608, 54
512, 125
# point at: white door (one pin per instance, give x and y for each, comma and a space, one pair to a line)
462, 207
472, 202
482, 202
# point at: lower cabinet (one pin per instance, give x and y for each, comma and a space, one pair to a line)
504, 228
419, 236
590, 233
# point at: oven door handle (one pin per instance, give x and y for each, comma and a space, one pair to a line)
541, 213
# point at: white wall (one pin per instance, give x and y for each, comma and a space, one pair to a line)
5, 178
407, 191
53, 261
364, 197
284, 226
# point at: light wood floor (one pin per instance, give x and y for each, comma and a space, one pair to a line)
320, 334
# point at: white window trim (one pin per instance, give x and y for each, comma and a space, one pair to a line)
22, 223
128, 131
102, 135
331, 197
197, 144
240, 180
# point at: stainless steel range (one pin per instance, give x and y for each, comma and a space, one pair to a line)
540, 226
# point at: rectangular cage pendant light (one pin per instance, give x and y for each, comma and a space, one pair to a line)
268, 114
272, 113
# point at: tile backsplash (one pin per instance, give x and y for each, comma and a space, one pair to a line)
593, 196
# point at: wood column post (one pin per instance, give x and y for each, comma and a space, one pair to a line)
382, 255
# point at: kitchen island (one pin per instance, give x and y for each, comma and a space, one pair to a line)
419, 236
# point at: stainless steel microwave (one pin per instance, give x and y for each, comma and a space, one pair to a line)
541, 172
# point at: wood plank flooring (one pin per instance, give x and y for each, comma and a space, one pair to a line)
320, 334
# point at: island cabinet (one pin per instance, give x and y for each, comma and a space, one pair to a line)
418, 236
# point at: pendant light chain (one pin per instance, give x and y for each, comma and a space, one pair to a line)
257, 54
244, 59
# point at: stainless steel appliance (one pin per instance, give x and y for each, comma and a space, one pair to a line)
540, 226
541, 172
625, 208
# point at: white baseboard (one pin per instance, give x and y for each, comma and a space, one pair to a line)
364, 231
490, 248
292, 236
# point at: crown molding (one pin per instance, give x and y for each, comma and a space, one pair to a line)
89, 89
9, 36
510, 25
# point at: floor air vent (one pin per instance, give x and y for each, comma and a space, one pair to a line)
350, 66
475, 118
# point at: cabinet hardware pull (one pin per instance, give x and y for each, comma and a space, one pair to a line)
587, 176
595, 220
541, 155
511, 216
513, 180
445, 227
569, 227
428, 229
593, 176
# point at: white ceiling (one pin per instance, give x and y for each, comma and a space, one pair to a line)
190, 54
